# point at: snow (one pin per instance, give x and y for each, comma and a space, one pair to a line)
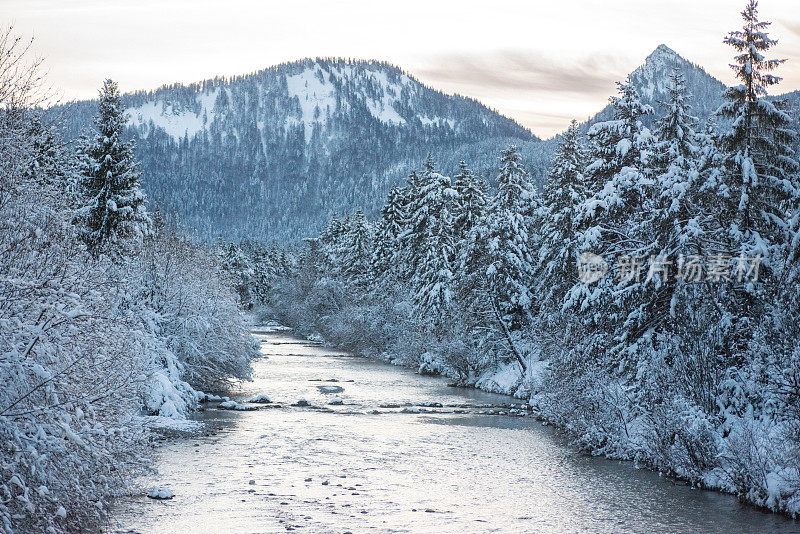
177, 123
233, 405
312, 94
384, 112
437, 121
160, 493
260, 399
504, 379
650, 81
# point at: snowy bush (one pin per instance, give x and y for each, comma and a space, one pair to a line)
73, 367
194, 309
90, 341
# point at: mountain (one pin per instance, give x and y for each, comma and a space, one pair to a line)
273, 154
652, 80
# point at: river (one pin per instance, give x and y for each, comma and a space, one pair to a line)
359, 467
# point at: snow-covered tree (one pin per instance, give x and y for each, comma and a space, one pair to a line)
356, 250
564, 192
614, 224
760, 166
387, 233
496, 260
471, 200
433, 274
238, 265
115, 203
417, 213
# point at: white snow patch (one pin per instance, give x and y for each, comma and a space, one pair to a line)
175, 122
505, 379
161, 493
312, 94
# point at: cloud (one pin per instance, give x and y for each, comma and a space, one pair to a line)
505, 71
540, 92
793, 27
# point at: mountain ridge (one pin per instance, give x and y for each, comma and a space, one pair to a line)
272, 154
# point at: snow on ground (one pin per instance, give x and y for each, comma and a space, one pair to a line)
505, 379
313, 94
384, 111
437, 121
176, 123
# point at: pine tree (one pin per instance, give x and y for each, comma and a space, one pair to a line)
357, 250
471, 201
760, 166
672, 304
417, 213
240, 268
615, 223
564, 193
433, 275
501, 242
757, 193
616, 145
115, 203
387, 233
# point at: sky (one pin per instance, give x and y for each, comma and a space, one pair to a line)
541, 63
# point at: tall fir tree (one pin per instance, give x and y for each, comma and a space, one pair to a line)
417, 213
387, 233
471, 201
759, 165
509, 260
357, 250
564, 192
757, 196
614, 223
432, 281
114, 210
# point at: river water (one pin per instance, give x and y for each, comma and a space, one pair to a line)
348, 468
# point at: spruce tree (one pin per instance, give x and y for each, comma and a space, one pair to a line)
471, 201
433, 274
615, 223
505, 243
758, 192
114, 201
357, 250
759, 165
564, 192
417, 213
388, 233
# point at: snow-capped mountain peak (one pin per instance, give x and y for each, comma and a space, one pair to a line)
653, 79
309, 93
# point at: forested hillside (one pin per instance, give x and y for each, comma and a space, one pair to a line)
273, 154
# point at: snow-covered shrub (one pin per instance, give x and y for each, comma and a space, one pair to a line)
194, 309
72, 365
89, 341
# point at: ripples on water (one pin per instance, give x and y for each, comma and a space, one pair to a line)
344, 469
